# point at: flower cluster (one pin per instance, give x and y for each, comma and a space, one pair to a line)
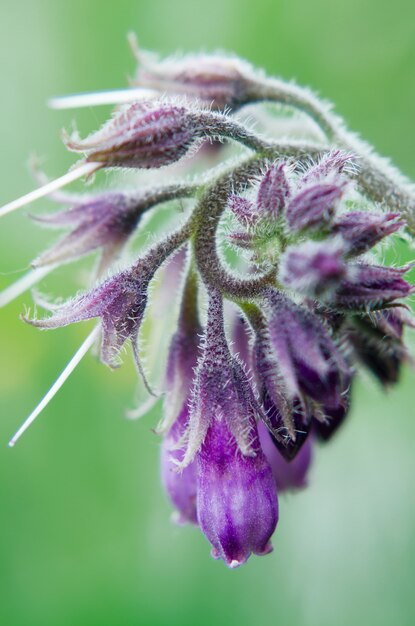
288, 232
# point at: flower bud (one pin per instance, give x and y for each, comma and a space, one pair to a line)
103, 221
286, 416
215, 79
273, 192
143, 135
120, 302
314, 205
244, 210
308, 359
372, 287
329, 166
361, 230
312, 268
378, 342
180, 485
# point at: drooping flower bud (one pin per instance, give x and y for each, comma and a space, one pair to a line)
314, 205
378, 342
237, 503
288, 474
119, 301
313, 268
372, 287
307, 357
361, 230
215, 79
285, 412
180, 485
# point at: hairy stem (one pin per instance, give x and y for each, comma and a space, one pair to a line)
377, 178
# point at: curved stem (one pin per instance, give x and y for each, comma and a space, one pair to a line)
300, 98
377, 179
206, 219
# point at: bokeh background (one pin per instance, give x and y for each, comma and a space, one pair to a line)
85, 536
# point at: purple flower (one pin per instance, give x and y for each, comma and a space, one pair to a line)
120, 302
180, 485
372, 287
313, 268
286, 414
308, 359
236, 497
143, 135
288, 474
362, 230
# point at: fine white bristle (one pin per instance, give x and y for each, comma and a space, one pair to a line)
23, 284
78, 356
116, 96
84, 169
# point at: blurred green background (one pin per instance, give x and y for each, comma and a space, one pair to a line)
85, 536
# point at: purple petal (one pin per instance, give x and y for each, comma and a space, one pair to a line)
236, 498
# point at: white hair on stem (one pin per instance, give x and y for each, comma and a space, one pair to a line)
76, 359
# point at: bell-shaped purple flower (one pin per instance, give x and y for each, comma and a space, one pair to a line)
372, 287
361, 230
288, 474
237, 503
236, 496
180, 485
313, 268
